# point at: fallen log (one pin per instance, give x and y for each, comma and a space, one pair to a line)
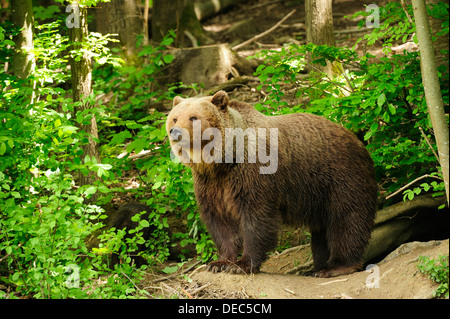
417, 219
209, 8
209, 65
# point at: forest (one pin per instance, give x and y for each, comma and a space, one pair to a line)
92, 204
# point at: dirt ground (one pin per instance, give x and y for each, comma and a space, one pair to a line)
396, 277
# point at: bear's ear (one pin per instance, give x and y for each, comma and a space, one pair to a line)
177, 100
220, 99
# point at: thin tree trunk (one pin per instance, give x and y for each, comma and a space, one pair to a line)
81, 68
145, 22
121, 17
319, 26
430, 82
319, 22
22, 16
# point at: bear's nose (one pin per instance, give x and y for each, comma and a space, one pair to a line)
175, 133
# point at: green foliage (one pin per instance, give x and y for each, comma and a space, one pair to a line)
437, 271
381, 100
127, 243
437, 188
397, 25
46, 220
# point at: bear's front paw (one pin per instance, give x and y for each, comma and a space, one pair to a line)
218, 266
336, 271
241, 267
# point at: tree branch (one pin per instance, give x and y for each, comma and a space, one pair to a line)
411, 183
259, 36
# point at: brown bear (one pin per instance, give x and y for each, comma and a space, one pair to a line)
253, 171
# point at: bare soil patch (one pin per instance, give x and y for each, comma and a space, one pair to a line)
396, 277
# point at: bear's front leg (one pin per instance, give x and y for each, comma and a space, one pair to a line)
225, 234
260, 235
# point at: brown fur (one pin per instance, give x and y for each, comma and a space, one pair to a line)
325, 180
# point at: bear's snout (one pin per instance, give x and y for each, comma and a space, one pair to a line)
175, 133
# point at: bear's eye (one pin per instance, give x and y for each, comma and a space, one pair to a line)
192, 118
174, 120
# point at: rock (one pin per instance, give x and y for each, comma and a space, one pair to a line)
409, 247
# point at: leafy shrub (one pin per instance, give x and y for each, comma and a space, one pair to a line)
45, 220
437, 270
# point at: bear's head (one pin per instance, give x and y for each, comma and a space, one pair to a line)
195, 123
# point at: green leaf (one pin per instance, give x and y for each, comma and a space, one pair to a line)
167, 41
69, 129
120, 137
168, 58
381, 99
410, 195
8, 42
91, 190
144, 223
16, 194
374, 127
392, 108
170, 270
157, 185
137, 145
15, 276
34, 241
104, 189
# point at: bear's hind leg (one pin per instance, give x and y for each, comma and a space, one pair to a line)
347, 239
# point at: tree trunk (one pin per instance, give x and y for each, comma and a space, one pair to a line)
81, 69
319, 26
22, 17
178, 15
319, 22
121, 17
432, 89
4, 13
